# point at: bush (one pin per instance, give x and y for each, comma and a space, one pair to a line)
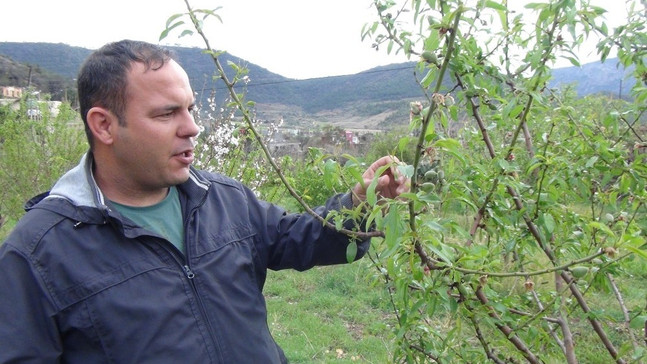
308, 179
35, 153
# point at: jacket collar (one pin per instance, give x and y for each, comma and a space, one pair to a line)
79, 188
78, 185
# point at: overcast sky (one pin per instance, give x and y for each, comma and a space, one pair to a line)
294, 38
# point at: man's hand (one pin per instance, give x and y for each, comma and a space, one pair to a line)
389, 185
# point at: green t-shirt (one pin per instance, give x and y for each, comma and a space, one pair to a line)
163, 218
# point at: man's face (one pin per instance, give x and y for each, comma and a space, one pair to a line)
155, 147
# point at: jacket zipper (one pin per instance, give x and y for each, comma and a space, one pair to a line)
183, 263
188, 272
190, 275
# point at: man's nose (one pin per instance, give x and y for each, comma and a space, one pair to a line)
189, 127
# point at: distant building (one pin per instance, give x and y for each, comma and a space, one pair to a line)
351, 138
11, 92
33, 107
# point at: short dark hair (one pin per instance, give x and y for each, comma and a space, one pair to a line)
103, 77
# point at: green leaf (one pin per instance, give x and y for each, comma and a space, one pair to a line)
535, 6
503, 164
330, 173
516, 111
209, 12
625, 183
548, 223
495, 5
602, 227
186, 32
351, 252
543, 15
451, 146
534, 166
429, 197
403, 144
440, 253
433, 225
172, 18
429, 78
432, 42
371, 197
392, 228
448, 144
356, 174
233, 65
163, 34
406, 170
430, 133
168, 29
604, 29
638, 322
637, 251
574, 61
351, 159
453, 112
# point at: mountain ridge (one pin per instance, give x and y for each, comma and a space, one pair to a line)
377, 91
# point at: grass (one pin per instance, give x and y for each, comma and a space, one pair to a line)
330, 315
5, 229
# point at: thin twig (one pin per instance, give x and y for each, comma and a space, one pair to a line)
248, 119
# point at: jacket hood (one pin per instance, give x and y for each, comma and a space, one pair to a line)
78, 186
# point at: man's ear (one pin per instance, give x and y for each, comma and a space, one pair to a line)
102, 123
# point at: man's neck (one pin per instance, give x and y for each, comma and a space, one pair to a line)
135, 198
114, 189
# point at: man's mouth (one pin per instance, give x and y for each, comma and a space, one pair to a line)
186, 156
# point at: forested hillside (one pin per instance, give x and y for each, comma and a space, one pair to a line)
13, 73
369, 92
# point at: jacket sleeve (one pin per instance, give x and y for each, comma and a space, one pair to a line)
300, 241
28, 331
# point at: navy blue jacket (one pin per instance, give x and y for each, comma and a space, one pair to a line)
79, 283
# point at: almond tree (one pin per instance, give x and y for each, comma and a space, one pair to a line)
526, 201
553, 189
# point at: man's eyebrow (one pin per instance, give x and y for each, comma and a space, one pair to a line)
167, 108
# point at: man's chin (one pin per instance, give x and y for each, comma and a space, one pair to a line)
180, 178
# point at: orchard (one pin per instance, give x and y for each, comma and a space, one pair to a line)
523, 236
527, 203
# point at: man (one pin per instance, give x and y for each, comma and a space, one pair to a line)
137, 257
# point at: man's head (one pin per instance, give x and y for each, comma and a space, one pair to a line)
103, 78
137, 104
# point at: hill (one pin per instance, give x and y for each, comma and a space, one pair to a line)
596, 77
18, 74
369, 99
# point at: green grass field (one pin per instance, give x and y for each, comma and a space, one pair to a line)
330, 315
336, 315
